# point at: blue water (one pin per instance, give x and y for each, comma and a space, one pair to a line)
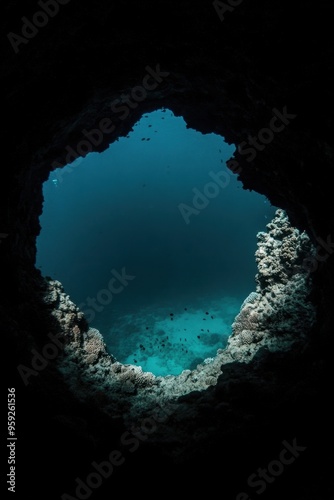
143, 253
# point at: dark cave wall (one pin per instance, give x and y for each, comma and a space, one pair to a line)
224, 77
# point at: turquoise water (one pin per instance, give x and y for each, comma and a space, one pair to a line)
148, 236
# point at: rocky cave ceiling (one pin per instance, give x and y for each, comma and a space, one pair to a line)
230, 76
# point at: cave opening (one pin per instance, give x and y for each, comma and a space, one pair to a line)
154, 239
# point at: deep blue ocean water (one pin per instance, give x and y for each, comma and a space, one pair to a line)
144, 254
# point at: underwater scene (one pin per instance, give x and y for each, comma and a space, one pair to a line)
154, 240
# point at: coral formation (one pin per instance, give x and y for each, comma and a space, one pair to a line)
277, 316
280, 307
93, 345
249, 299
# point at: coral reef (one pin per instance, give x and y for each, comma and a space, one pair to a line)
274, 321
281, 252
280, 309
277, 315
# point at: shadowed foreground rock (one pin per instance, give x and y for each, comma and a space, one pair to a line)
262, 79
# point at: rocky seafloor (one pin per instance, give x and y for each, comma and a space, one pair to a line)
276, 317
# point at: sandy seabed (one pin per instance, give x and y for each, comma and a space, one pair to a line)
166, 340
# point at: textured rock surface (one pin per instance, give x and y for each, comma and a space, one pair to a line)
224, 77
280, 312
277, 317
